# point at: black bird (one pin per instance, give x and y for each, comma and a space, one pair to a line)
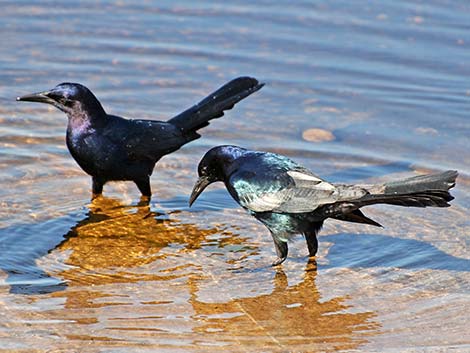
289, 199
109, 147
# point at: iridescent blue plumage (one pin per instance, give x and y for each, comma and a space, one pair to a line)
289, 199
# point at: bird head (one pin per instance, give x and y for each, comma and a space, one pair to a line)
68, 97
214, 167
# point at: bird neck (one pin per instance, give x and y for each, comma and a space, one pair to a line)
82, 118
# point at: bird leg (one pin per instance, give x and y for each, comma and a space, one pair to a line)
144, 188
281, 250
97, 187
312, 243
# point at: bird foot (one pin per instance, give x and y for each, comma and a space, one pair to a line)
144, 201
312, 263
279, 261
312, 259
95, 196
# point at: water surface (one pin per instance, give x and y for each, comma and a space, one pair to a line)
388, 79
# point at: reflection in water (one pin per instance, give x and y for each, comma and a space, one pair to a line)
114, 238
108, 238
134, 273
389, 81
289, 316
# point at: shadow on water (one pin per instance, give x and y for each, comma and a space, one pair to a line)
375, 250
288, 315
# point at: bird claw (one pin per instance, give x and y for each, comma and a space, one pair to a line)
279, 261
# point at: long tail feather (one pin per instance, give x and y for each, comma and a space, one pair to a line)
421, 191
214, 105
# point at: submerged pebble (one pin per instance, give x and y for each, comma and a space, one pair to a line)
317, 135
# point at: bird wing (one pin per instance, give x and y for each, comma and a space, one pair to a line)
291, 191
269, 182
145, 139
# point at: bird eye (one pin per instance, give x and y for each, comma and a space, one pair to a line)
58, 98
54, 96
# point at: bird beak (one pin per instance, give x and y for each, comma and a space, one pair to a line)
41, 97
198, 188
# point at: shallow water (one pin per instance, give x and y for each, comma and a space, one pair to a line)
388, 79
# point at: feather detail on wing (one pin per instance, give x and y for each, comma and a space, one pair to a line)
146, 139
292, 192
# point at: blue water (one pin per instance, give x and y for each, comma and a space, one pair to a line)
389, 80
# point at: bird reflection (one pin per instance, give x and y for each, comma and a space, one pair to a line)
113, 239
288, 316
131, 269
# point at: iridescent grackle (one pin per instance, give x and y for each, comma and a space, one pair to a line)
289, 199
109, 147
